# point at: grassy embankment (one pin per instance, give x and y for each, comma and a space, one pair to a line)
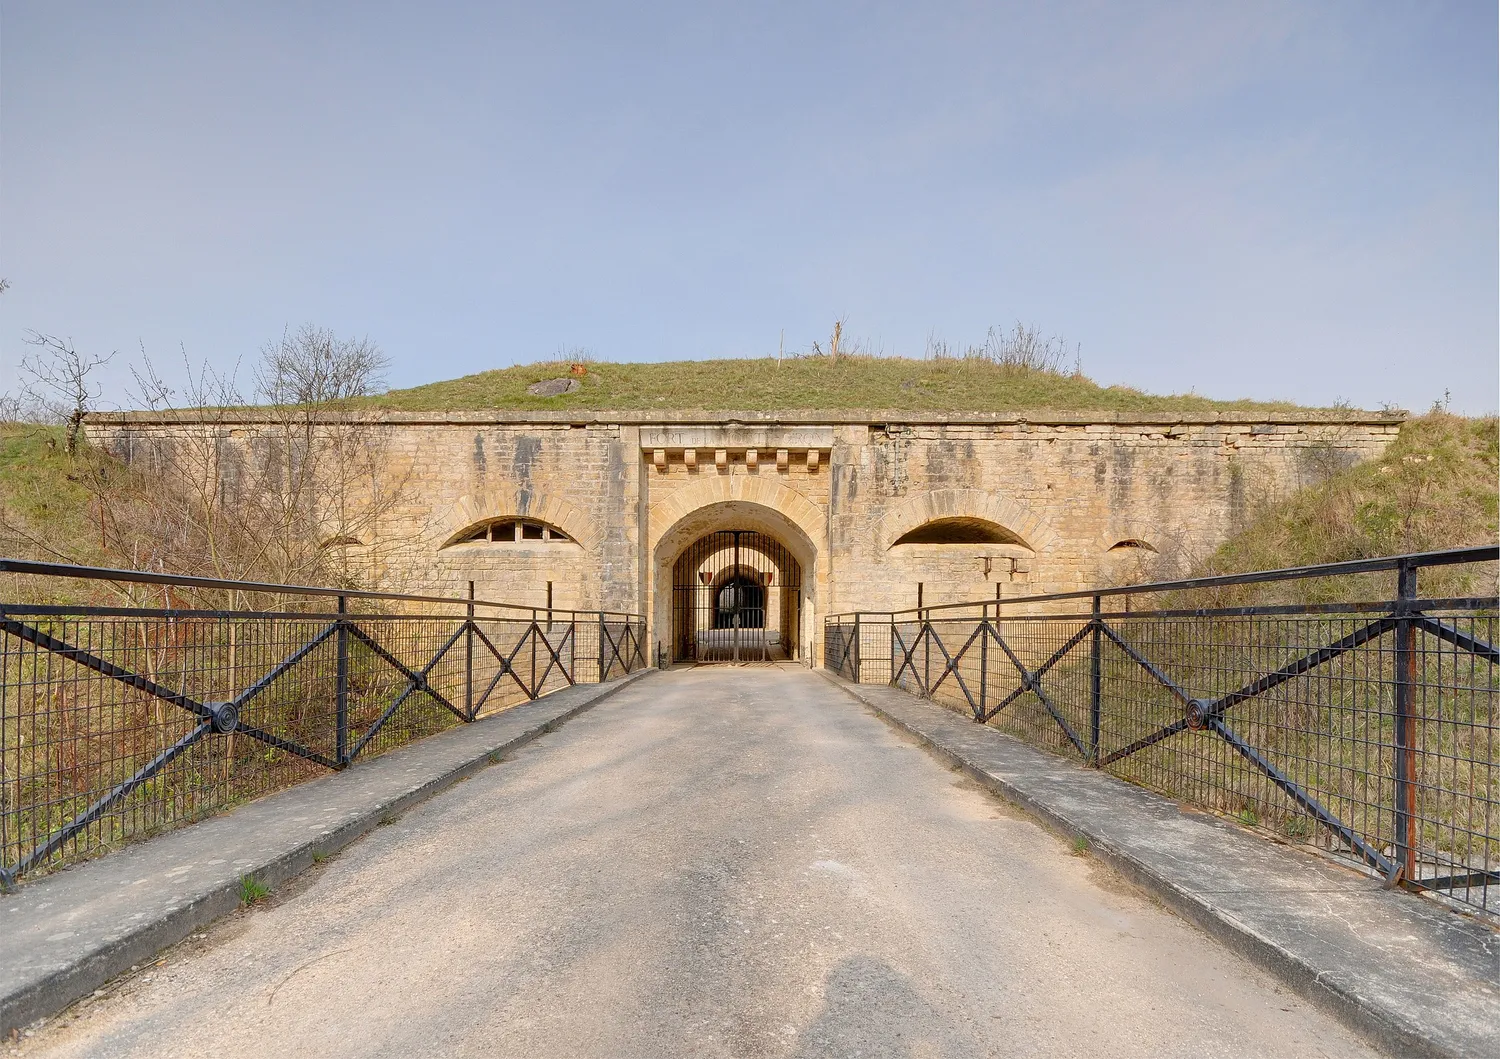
50, 511
954, 384
1435, 487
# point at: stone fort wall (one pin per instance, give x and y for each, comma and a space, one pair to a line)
1081, 499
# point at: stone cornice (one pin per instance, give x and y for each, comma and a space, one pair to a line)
848, 417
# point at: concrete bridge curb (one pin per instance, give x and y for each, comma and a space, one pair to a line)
1412, 977
66, 934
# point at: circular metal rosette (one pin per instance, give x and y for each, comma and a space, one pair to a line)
226, 716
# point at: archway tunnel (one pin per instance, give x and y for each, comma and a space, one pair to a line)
736, 596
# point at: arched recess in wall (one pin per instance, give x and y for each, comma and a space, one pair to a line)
1137, 537
470, 512
962, 529
510, 529
952, 507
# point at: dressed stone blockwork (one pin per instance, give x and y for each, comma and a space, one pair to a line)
602, 504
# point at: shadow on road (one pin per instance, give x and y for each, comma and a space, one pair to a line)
872, 1009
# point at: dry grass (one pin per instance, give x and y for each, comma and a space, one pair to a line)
1434, 488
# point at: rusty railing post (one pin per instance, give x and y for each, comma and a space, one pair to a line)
984, 654
1095, 646
894, 682
341, 687
856, 647
1406, 726
469, 657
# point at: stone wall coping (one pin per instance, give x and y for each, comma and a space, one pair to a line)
847, 417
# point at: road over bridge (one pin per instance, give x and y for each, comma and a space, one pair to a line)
714, 862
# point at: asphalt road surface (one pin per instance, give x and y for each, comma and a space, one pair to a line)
715, 862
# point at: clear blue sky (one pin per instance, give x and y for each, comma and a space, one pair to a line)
1269, 200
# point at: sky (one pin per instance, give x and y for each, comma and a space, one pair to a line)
1270, 200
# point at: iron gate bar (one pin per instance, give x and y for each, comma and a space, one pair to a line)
1150, 667
416, 678
1457, 638
1309, 804
951, 663
556, 660
507, 663
1302, 665
923, 630
243, 698
736, 595
415, 682
122, 790
83, 658
1032, 684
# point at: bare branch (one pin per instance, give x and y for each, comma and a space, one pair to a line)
313, 366
58, 378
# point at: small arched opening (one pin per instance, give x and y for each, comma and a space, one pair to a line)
960, 530
510, 529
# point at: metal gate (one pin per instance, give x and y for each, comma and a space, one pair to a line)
736, 597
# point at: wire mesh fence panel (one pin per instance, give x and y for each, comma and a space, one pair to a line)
1366, 730
120, 723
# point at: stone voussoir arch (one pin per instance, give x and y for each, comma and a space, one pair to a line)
1136, 530
512, 503
790, 504
1021, 520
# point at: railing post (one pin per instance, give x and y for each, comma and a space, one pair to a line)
603, 666
984, 655
856, 647
893, 651
1095, 646
536, 633
926, 634
341, 686
1406, 725
469, 657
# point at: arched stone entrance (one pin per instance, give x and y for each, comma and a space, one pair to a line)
787, 603
736, 596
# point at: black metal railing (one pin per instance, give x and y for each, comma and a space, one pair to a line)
121, 722
1369, 729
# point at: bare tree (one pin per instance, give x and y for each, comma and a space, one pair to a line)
296, 490
59, 378
313, 366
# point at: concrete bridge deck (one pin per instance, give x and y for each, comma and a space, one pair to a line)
714, 862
